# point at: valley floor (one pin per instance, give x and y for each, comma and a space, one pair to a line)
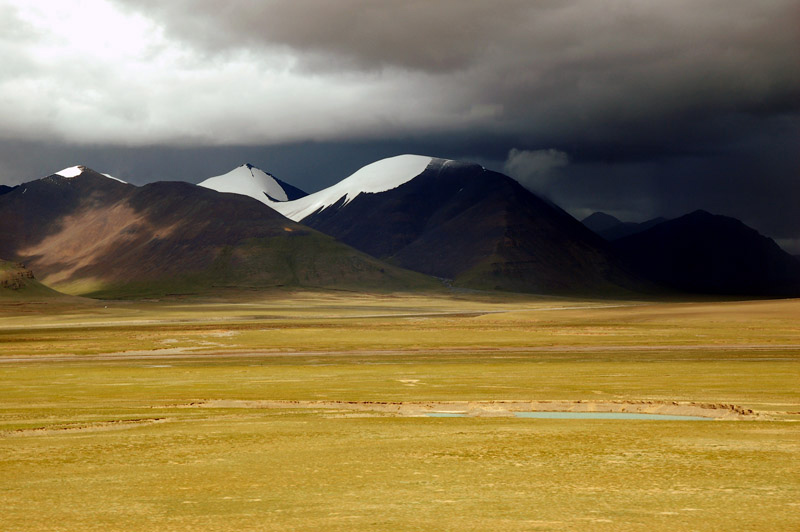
307, 411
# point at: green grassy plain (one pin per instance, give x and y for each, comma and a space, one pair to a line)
95, 432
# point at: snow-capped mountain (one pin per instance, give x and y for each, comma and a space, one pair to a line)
379, 176
460, 221
75, 171
249, 180
86, 233
82, 230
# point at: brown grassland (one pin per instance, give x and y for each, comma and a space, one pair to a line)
101, 424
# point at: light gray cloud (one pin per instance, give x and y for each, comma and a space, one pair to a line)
534, 169
416, 35
94, 74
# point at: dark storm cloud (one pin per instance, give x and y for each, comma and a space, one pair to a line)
657, 107
546, 71
756, 180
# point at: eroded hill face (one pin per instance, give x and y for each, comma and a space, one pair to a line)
90, 233
18, 283
14, 276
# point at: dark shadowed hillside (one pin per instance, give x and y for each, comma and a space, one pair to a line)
481, 229
707, 253
612, 228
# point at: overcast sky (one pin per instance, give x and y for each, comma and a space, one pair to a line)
636, 108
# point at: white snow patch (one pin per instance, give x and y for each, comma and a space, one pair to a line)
115, 178
250, 181
379, 176
72, 171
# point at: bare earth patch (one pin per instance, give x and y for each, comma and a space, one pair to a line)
203, 350
116, 424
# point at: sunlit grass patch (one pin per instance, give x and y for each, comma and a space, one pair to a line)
97, 431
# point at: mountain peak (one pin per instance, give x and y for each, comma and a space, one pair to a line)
459, 221
380, 176
611, 228
700, 213
250, 180
385, 174
711, 253
75, 171
72, 171
600, 221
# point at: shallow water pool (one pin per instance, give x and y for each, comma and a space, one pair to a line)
584, 415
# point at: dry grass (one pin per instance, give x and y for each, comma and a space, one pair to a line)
97, 442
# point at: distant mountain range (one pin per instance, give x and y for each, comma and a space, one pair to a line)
390, 226
702, 252
611, 228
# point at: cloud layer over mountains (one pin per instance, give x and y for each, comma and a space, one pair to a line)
643, 98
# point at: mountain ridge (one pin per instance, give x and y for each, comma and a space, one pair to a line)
379, 176
249, 180
611, 228
707, 253
90, 234
460, 221
87, 232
